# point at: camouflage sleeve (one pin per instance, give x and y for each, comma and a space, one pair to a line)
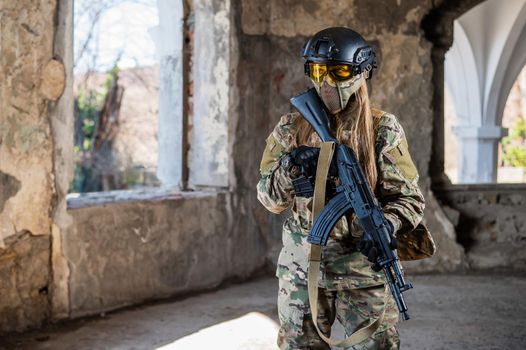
399, 194
274, 189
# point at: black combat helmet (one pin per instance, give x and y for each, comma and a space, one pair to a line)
340, 45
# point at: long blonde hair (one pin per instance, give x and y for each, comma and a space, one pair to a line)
354, 127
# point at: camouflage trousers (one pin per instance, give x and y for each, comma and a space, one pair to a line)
353, 308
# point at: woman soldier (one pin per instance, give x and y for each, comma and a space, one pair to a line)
338, 62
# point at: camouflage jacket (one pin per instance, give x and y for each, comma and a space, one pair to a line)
342, 265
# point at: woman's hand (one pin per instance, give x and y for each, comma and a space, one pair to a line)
367, 247
306, 158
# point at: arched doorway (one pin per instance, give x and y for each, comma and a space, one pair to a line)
439, 29
486, 56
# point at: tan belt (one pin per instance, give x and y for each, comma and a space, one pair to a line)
324, 161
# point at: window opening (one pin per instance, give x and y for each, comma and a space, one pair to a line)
116, 93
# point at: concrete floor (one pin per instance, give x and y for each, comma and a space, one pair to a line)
448, 312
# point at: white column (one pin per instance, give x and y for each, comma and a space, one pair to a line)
477, 153
208, 156
168, 38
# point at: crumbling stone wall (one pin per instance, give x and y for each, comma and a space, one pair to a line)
108, 250
490, 222
31, 78
125, 251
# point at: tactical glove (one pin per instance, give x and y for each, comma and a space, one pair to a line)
367, 247
307, 159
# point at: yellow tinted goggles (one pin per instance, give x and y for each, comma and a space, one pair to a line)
338, 72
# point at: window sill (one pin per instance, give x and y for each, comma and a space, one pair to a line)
96, 199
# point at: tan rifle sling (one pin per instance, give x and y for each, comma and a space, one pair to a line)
324, 161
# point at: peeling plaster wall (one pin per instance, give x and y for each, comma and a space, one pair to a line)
26, 143
25, 282
61, 115
208, 155
402, 84
126, 252
168, 37
30, 80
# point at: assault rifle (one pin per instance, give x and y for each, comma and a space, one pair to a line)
353, 192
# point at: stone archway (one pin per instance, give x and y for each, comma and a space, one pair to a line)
480, 68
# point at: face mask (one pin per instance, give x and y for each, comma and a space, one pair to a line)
335, 95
